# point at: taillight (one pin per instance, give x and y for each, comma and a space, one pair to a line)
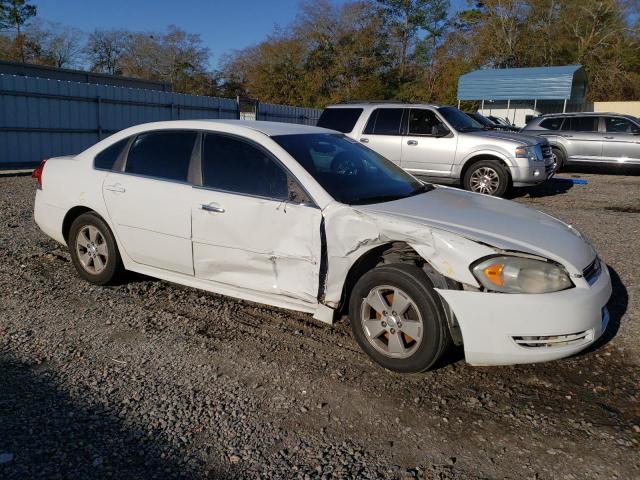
37, 173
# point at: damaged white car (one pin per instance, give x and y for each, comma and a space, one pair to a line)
306, 219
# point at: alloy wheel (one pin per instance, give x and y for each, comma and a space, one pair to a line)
485, 180
92, 249
392, 322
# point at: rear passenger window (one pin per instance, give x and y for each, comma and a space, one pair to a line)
551, 123
620, 125
340, 119
385, 121
107, 157
163, 155
236, 166
581, 124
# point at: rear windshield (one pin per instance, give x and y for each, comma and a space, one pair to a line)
552, 123
340, 119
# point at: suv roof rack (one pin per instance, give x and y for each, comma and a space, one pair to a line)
351, 102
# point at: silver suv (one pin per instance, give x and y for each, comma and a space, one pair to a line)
590, 137
444, 144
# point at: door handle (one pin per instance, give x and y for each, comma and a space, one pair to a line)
115, 188
609, 138
566, 136
412, 142
364, 140
209, 207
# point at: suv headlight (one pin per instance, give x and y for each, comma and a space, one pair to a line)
528, 152
508, 274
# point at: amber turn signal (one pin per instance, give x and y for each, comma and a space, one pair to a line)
494, 274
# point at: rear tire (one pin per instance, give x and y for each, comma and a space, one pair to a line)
489, 177
94, 251
405, 330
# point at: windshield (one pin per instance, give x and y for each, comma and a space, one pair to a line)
348, 171
482, 119
459, 120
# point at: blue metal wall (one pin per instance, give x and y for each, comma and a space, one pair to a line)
287, 114
41, 118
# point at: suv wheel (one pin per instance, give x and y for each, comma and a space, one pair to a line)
487, 176
561, 160
397, 318
93, 250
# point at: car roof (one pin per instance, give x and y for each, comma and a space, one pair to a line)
585, 114
268, 128
380, 103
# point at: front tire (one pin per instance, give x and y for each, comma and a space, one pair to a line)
489, 177
93, 250
397, 318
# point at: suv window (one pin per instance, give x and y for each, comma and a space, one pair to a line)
340, 119
620, 125
236, 166
580, 124
163, 154
552, 123
385, 121
422, 122
107, 157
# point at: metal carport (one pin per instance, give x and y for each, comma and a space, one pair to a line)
544, 87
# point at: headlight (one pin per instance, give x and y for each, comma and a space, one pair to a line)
528, 152
521, 275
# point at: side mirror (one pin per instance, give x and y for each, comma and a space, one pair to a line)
439, 130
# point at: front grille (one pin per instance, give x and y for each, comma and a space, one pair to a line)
592, 271
555, 341
549, 158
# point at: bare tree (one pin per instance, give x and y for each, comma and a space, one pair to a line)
105, 49
54, 44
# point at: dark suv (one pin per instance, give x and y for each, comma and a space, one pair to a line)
590, 137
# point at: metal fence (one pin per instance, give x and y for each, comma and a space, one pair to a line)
41, 118
287, 114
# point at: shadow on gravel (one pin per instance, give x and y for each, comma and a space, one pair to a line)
603, 169
45, 434
546, 189
617, 308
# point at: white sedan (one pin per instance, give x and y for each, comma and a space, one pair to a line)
306, 219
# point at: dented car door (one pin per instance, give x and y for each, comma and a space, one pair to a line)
252, 227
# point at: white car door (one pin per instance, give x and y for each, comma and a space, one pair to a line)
253, 226
425, 150
149, 200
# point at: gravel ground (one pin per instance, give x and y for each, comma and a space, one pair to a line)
152, 380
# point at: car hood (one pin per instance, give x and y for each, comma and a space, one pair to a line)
516, 137
502, 224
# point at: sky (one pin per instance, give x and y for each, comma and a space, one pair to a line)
224, 25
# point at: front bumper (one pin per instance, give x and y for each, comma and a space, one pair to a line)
505, 329
532, 174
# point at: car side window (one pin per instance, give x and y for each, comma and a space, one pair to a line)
236, 166
162, 154
620, 125
422, 122
106, 159
581, 124
551, 123
385, 121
